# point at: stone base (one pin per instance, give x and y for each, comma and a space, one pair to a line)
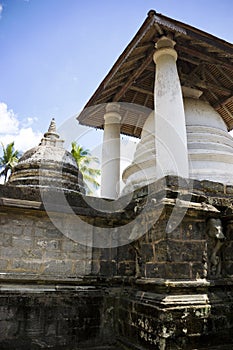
39, 317
160, 315
169, 288
171, 317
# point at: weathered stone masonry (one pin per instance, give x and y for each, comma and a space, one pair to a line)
165, 277
161, 291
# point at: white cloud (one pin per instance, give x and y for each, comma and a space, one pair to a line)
1, 9
11, 129
25, 139
8, 120
29, 121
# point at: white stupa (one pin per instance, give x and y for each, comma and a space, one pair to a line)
210, 147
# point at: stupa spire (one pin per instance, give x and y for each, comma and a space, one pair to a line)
52, 130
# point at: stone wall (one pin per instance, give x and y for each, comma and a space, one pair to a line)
179, 255
169, 288
35, 317
31, 247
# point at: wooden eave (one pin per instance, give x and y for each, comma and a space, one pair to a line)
205, 62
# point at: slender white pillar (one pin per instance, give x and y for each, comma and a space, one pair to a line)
110, 171
170, 130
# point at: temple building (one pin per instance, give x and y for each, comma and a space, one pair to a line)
185, 76
149, 267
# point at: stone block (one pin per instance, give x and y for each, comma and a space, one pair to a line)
126, 252
4, 219
198, 270
147, 252
52, 232
177, 270
12, 252
209, 186
54, 255
228, 250
193, 230
36, 253
40, 233
101, 237
186, 251
157, 231
228, 267
126, 268
6, 240
148, 310
26, 266
95, 267
176, 233
16, 230
69, 246
3, 264
7, 313
109, 254
155, 270
28, 230
8, 329
167, 270
81, 268
58, 268
108, 268
21, 242
161, 251
96, 252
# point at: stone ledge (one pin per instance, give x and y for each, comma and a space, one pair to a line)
37, 288
173, 283
22, 278
174, 300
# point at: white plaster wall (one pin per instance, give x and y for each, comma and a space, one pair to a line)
143, 168
210, 148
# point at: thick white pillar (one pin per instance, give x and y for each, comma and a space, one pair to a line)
110, 170
170, 129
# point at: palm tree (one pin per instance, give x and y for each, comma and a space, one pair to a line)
8, 160
84, 159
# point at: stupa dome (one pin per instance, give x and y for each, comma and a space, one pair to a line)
142, 171
48, 165
210, 148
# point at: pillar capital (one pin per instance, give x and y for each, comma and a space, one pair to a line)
113, 107
165, 46
165, 41
112, 115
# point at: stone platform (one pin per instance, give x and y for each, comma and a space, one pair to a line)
169, 288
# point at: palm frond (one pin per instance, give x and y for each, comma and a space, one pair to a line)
84, 159
9, 159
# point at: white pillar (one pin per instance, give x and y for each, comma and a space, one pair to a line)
170, 129
110, 171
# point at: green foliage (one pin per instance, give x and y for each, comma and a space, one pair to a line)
8, 160
84, 159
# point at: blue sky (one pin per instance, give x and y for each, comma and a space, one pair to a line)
54, 53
